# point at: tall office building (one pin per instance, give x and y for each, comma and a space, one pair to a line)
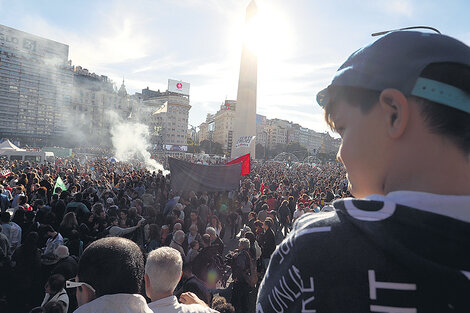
35, 87
245, 113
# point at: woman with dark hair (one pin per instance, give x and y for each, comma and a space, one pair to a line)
55, 291
215, 222
154, 240
23, 203
86, 235
19, 218
69, 223
40, 194
26, 274
74, 243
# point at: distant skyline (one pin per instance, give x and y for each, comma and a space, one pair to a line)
301, 44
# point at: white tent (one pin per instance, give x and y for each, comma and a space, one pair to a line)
112, 160
8, 146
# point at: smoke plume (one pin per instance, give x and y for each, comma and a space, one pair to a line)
130, 142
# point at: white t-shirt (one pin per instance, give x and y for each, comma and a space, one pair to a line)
171, 305
430, 202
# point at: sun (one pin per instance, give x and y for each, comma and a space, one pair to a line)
267, 34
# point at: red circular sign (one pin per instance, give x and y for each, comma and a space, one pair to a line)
179, 85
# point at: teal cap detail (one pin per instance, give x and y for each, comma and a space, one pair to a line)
442, 93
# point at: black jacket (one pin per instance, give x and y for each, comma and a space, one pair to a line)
370, 256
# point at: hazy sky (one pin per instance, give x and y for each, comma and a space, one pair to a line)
301, 43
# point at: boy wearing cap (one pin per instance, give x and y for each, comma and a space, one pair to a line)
402, 108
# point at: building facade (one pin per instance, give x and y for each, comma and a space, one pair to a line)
35, 87
167, 116
223, 126
95, 106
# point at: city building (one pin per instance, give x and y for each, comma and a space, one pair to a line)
261, 132
95, 105
206, 128
329, 144
223, 125
167, 116
314, 141
277, 132
35, 87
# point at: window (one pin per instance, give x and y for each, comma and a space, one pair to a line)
16, 158
33, 158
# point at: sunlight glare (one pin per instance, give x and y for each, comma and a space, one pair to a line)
268, 34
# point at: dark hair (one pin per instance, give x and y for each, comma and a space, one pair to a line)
23, 200
269, 222
112, 265
56, 282
154, 232
193, 243
440, 119
5, 217
54, 307
78, 197
206, 238
251, 237
97, 207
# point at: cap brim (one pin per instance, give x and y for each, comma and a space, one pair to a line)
323, 97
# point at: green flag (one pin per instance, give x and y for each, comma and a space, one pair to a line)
59, 183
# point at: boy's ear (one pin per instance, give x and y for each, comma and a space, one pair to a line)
396, 111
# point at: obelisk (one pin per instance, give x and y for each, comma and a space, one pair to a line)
245, 111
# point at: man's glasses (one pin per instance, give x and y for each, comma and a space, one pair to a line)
74, 284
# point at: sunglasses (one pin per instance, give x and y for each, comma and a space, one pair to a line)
74, 284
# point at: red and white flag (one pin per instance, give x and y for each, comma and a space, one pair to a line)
5, 173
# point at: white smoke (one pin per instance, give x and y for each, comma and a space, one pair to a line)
131, 142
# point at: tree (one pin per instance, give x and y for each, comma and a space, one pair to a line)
211, 147
260, 151
326, 157
297, 149
279, 148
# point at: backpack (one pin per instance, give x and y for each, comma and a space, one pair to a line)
253, 273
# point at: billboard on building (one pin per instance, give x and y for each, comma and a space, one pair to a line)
176, 148
230, 103
178, 86
54, 51
260, 119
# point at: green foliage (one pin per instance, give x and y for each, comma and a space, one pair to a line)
211, 147
260, 151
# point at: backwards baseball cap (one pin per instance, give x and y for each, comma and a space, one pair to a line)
396, 60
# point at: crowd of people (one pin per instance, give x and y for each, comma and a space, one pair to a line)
52, 213
112, 237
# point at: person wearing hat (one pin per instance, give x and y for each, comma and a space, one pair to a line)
66, 265
402, 108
